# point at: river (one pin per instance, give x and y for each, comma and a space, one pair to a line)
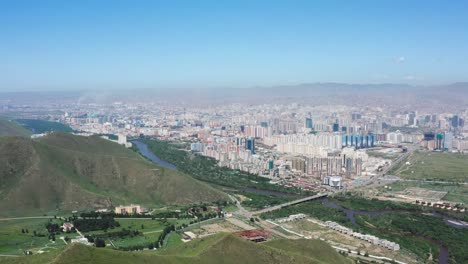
145, 151
443, 250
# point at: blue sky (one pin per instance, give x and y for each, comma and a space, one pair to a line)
59, 45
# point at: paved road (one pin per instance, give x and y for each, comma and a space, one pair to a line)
276, 207
240, 223
27, 217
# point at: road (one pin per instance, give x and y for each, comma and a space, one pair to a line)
27, 217
298, 201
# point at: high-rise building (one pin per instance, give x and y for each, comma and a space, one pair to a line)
270, 165
308, 123
448, 141
336, 127
250, 145
455, 121
439, 141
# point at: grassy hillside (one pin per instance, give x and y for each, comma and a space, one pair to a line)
67, 172
10, 128
222, 248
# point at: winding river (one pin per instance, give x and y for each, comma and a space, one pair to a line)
145, 151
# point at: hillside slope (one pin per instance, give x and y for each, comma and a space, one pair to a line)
10, 128
67, 172
221, 248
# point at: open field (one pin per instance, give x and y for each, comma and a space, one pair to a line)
142, 240
13, 241
455, 192
436, 166
173, 239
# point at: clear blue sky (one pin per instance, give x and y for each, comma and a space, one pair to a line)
54, 45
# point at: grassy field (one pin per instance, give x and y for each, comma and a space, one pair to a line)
221, 248
436, 166
173, 239
14, 242
455, 192
142, 240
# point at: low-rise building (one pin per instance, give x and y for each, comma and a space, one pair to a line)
368, 238
128, 209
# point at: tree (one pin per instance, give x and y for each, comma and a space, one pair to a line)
142, 226
22, 231
98, 242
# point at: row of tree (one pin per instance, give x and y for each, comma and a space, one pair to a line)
93, 224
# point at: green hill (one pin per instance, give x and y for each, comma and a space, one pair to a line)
67, 172
10, 128
221, 248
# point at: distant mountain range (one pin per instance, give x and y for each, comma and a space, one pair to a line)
67, 172
450, 95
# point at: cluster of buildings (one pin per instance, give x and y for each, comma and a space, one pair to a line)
287, 142
129, 209
121, 140
254, 235
442, 205
294, 217
368, 238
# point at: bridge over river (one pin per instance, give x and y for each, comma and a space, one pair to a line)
298, 201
